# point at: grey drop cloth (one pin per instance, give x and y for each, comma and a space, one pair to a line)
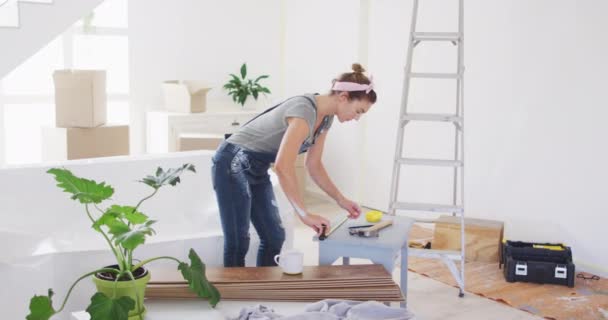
331, 310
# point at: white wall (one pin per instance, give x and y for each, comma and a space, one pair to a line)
198, 40
2, 132
534, 107
322, 40
546, 167
39, 24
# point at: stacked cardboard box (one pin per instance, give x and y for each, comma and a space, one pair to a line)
199, 141
81, 130
185, 96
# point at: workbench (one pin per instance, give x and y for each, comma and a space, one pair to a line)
385, 249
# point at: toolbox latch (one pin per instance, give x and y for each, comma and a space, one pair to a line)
521, 269
561, 271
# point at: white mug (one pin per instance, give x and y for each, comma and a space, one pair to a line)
291, 261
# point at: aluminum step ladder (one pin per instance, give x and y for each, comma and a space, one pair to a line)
456, 208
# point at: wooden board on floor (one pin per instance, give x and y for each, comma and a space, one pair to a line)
274, 274
352, 282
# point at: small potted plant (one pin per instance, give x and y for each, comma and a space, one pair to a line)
240, 88
121, 287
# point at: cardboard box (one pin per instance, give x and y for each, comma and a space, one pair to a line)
185, 96
199, 141
483, 237
80, 143
80, 98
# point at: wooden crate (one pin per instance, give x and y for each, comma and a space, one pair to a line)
482, 237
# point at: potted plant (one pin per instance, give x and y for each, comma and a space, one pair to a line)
240, 88
121, 287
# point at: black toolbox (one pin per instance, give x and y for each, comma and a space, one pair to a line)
537, 262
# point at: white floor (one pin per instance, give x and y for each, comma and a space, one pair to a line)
427, 299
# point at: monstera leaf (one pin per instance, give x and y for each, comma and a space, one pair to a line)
170, 176
197, 281
41, 307
104, 308
131, 238
117, 215
83, 190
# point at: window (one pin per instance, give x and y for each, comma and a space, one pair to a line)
99, 41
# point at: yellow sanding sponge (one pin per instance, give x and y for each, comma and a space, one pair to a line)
373, 216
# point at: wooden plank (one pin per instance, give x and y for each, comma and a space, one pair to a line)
297, 294
274, 274
387, 299
392, 297
288, 284
353, 282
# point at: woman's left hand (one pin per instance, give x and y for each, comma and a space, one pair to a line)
353, 208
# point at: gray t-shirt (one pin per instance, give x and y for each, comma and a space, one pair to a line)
264, 133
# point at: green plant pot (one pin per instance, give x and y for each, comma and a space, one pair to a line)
125, 288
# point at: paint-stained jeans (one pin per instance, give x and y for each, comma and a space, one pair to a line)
244, 194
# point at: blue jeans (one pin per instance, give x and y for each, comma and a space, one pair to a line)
244, 194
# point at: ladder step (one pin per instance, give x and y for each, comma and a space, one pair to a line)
434, 75
430, 162
436, 36
437, 117
427, 207
434, 254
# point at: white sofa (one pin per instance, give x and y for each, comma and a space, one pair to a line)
47, 242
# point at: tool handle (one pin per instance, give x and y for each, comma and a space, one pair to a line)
323, 236
380, 225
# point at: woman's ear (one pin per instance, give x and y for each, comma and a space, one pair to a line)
343, 96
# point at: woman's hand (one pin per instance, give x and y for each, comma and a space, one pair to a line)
316, 222
353, 208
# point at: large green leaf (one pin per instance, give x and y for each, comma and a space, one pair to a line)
129, 213
86, 191
229, 86
243, 96
116, 216
104, 308
236, 80
260, 78
117, 227
244, 70
170, 176
41, 307
197, 281
132, 238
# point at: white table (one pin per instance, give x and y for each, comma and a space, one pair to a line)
200, 309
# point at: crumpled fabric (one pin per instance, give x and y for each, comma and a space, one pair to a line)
257, 312
331, 309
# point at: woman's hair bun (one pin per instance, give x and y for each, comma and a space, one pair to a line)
357, 68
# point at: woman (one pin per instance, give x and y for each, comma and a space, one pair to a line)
240, 165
